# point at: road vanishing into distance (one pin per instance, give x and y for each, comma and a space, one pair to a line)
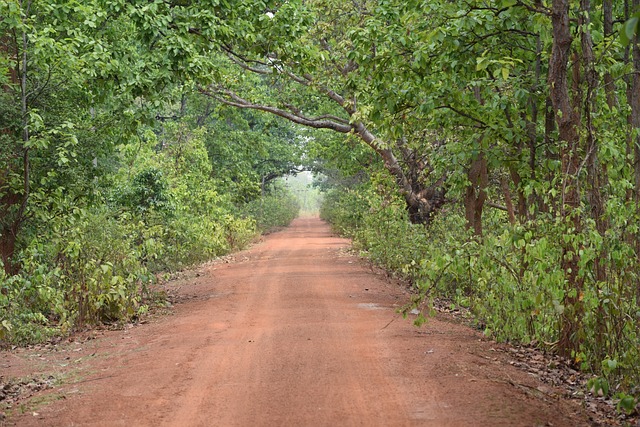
295, 331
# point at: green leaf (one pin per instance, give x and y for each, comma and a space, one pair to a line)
611, 364
629, 30
481, 63
626, 404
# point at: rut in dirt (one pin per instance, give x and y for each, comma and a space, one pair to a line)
298, 332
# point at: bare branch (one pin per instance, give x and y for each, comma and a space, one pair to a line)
463, 114
497, 206
228, 97
227, 49
245, 66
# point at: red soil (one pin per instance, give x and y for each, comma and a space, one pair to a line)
294, 333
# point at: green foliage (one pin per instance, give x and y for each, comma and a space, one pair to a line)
84, 271
511, 279
343, 210
274, 210
626, 403
96, 264
148, 191
185, 220
113, 169
630, 30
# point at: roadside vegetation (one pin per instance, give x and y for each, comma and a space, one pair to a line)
488, 150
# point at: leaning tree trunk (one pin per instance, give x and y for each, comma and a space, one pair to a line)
422, 201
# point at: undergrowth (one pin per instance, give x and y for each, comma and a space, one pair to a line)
511, 279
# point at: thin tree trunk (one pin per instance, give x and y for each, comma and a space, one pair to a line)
476, 193
522, 200
567, 119
628, 79
634, 120
609, 83
595, 174
551, 203
13, 203
507, 200
532, 125
635, 111
591, 78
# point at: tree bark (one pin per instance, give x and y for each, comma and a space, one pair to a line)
532, 128
609, 83
594, 172
477, 174
634, 120
476, 193
507, 200
567, 119
635, 110
13, 203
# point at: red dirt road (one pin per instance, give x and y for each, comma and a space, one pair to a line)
295, 332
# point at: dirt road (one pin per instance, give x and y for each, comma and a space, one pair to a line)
294, 332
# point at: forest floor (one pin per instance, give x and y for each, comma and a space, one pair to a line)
296, 331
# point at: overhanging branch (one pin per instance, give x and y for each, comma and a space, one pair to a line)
228, 97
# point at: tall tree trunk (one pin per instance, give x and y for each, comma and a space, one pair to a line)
476, 193
13, 203
593, 165
609, 83
630, 92
567, 119
550, 203
532, 125
634, 120
477, 174
634, 101
595, 175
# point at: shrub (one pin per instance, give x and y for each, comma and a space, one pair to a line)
273, 210
511, 280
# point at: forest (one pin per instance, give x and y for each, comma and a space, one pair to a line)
486, 151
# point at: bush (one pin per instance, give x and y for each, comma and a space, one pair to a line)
511, 280
272, 211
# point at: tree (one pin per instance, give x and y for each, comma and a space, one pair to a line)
317, 82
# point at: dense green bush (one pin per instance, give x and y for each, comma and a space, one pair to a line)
94, 259
88, 270
273, 210
512, 281
344, 209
